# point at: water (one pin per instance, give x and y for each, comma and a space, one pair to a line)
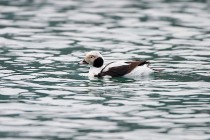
45, 95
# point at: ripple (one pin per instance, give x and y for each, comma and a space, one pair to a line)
42, 86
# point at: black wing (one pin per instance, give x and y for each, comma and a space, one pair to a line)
122, 70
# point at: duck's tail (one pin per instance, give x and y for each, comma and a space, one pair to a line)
157, 69
147, 63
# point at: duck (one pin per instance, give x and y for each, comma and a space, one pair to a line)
129, 69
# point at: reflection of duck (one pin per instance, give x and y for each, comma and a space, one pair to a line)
115, 69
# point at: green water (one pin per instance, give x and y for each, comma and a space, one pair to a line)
44, 93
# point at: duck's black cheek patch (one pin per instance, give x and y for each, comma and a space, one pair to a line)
98, 62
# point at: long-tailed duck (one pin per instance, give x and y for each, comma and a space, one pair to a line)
115, 69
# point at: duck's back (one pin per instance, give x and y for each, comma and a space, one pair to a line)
128, 69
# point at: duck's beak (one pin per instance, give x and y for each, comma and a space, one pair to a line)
83, 62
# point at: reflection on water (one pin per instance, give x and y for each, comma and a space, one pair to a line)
45, 95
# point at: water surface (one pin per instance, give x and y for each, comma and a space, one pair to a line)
45, 95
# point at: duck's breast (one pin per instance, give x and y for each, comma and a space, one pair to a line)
94, 71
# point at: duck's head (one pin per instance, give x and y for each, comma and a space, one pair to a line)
93, 58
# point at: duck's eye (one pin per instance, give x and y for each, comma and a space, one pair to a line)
91, 56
